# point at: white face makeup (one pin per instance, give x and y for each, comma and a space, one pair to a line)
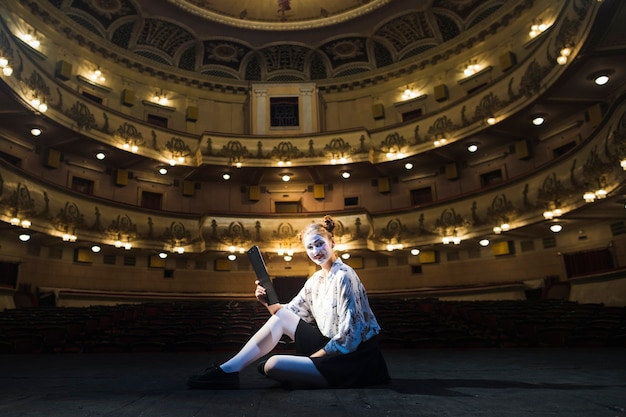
318, 248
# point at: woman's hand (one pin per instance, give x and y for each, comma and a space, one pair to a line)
261, 294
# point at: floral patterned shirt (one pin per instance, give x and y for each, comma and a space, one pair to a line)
337, 303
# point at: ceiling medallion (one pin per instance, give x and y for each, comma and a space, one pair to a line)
279, 14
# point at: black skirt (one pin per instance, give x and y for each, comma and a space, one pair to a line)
363, 367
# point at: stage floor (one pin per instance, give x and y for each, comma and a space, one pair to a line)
446, 382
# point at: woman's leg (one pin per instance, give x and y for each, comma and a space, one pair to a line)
283, 322
296, 369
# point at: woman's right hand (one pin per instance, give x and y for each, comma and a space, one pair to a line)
261, 294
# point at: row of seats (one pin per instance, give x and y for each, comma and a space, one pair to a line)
227, 325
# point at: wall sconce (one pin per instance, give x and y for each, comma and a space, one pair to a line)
130, 147
162, 255
550, 214
484, 242
622, 163
24, 237
31, 40
415, 251
345, 256
4, 64
440, 142
345, 174
160, 98
96, 76
504, 227
589, 197
286, 176
537, 28
16, 221
338, 160
394, 246
69, 237
39, 104
564, 55
471, 68
408, 93
446, 240
162, 170
96, 248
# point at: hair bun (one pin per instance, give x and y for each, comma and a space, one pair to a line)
329, 224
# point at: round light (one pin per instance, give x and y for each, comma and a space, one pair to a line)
35, 131
472, 148
285, 177
226, 176
556, 228
163, 171
538, 120
162, 255
484, 242
601, 80
96, 248
232, 257
408, 165
100, 155
491, 120
345, 255
24, 237
288, 258
345, 174
415, 252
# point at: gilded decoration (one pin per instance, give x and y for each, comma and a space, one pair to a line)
501, 210
393, 143
83, 117
235, 151
236, 236
176, 235
394, 233
337, 149
20, 203
69, 219
552, 193
450, 223
286, 151
129, 134
178, 148
122, 228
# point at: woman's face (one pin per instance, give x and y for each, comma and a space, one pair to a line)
319, 248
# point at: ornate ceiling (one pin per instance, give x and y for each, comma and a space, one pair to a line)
278, 41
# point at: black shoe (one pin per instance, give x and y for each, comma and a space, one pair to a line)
214, 378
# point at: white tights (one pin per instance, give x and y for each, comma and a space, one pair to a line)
287, 368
